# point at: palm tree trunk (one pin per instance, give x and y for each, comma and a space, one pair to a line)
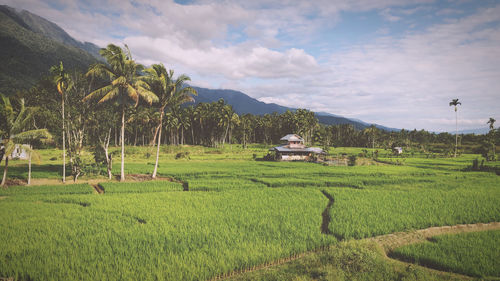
105, 146
64, 142
192, 133
29, 168
158, 148
225, 134
122, 169
5, 170
456, 131
135, 139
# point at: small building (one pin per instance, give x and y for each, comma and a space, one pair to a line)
294, 149
397, 150
18, 153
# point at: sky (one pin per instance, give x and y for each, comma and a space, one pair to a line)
397, 63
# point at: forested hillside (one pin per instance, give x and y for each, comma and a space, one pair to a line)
27, 52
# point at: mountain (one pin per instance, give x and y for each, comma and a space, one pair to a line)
243, 104
30, 45
51, 30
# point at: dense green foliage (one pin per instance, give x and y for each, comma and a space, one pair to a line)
474, 254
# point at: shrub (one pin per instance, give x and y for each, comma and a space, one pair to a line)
352, 160
181, 155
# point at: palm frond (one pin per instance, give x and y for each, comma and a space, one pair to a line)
9, 147
97, 94
132, 93
100, 70
148, 96
31, 135
35, 156
119, 81
110, 95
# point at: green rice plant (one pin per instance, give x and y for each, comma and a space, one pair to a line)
221, 184
151, 236
475, 254
47, 189
366, 213
140, 187
311, 182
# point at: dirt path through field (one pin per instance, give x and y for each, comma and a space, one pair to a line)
326, 214
392, 241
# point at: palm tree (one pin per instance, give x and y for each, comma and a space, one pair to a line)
492, 134
63, 83
171, 93
492, 123
124, 85
455, 103
16, 133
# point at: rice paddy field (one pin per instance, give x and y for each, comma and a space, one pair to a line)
218, 211
473, 254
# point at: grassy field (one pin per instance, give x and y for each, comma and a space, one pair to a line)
235, 213
475, 254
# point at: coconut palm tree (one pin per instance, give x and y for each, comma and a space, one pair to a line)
16, 124
124, 85
455, 103
63, 83
171, 93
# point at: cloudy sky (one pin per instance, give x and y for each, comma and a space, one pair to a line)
393, 62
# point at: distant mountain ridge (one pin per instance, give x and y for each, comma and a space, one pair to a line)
243, 104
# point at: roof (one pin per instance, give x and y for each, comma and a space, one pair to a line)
286, 148
292, 137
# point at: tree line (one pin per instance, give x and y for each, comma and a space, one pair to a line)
121, 102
